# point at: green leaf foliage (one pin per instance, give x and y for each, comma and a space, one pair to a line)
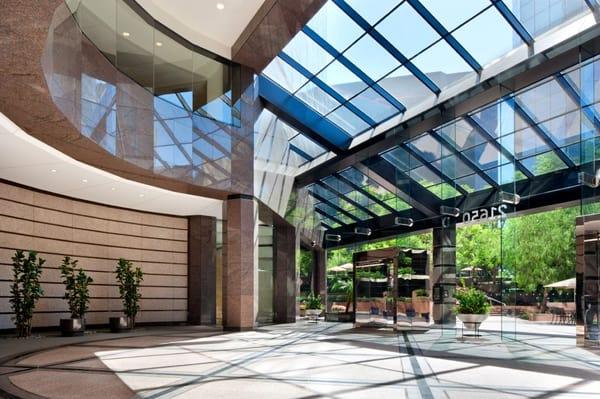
471, 301
76, 283
129, 279
26, 289
313, 301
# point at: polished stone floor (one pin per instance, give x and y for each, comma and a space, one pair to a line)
308, 360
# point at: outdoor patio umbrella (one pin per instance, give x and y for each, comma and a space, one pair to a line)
568, 283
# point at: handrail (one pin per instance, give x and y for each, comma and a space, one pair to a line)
495, 300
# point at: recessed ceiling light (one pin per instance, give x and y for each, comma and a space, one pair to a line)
220, 6
113, 189
141, 195
158, 44
53, 170
84, 180
125, 34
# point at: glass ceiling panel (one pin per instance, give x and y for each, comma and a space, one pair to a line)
505, 174
284, 75
348, 121
335, 27
461, 134
442, 65
313, 56
376, 191
371, 10
489, 27
472, 183
334, 213
485, 156
428, 147
342, 80
444, 191
316, 98
546, 101
455, 12
544, 163
374, 105
570, 128
346, 190
453, 167
407, 30
424, 176
400, 159
540, 16
371, 58
524, 143
405, 87
308, 146
329, 222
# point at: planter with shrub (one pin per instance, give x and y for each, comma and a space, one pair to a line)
129, 279
77, 294
472, 308
26, 289
314, 305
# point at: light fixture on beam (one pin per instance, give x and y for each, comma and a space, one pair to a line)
509, 198
408, 222
449, 211
362, 231
585, 179
333, 237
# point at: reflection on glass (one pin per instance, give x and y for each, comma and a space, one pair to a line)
406, 88
342, 80
453, 69
304, 50
284, 75
373, 11
454, 13
316, 98
348, 121
374, 105
335, 27
364, 53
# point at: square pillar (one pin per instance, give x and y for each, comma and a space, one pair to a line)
443, 275
202, 270
284, 273
319, 279
240, 263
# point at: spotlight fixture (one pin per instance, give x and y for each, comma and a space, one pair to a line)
408, 222
585, 179
220, 6
53, 170
158, 44
125, 34
449, 211
333, 237
509, 198
362, 231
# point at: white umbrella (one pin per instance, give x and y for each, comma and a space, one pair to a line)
568, 283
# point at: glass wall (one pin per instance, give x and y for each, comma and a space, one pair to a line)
160, 61
265, 274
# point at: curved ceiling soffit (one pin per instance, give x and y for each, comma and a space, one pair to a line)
69, 62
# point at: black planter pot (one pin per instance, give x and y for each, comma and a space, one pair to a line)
119, 324
72, 327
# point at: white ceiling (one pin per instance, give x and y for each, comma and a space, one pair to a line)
28, 161
202, 23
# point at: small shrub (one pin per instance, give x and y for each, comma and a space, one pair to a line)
76, 283
313, 301
471, 301
26, 289
129, 288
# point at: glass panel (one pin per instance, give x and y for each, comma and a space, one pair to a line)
461, 134
406, 88
444, 191
407, 31
365, 51
314, 96
546, 101
485, 156
524, 143
371, 10
453, 167
342, 80
332, 212
424, 176
442, 65
335, 27
307, 145
173, 70
400, 159
308, 53
569, 129
543, 163
486, 28
540, 16
428, 147
135, 46
348, 121
472, 183
284, 75
505, 174
374, 105
98, 19
455, 12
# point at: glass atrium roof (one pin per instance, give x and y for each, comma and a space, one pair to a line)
551, 128
358, 63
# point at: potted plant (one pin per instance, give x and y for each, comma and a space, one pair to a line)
472, 308
314, 305
77, 294
405, 273
129, 291
26, 289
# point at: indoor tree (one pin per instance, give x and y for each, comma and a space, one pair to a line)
77, 291
129, 279
26, 289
